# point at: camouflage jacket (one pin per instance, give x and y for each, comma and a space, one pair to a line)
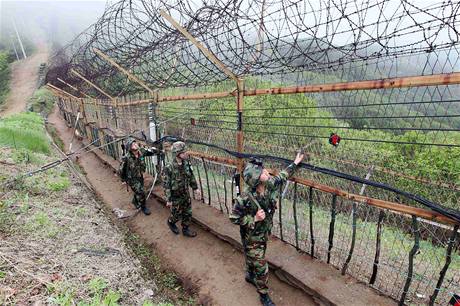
177, 179
247, 204
135, 167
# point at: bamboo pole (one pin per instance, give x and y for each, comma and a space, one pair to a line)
400, 82
415, 81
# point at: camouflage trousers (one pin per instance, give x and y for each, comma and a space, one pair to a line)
256, 264
181, 210
137, 186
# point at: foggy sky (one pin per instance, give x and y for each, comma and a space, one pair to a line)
48, 21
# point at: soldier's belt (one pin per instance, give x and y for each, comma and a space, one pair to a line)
180, 193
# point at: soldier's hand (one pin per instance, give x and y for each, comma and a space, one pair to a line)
260, 215
168, 204
197, 194
299, 158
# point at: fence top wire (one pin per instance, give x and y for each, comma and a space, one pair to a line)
264, 37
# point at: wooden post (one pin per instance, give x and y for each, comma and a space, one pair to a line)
92, 84
128, 74
98, 116
112, 99
65, 93
230, 74
100, 135
197, 44
114, 109
58, 94
73, 87
82, 110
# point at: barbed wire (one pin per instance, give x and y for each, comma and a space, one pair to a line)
260, 37
403, 137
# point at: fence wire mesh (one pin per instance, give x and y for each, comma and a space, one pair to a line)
406, 137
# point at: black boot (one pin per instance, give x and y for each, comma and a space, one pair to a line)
266, 300
186, 231
173, 227
250, 278
145, 210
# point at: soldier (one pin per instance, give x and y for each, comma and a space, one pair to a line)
132, 170
178, 177
253, 211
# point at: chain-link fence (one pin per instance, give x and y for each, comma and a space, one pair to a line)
369, 89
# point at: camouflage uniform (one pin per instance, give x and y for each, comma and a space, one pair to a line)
254, 235
177, 179
135, 172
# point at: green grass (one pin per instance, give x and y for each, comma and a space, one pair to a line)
42, 102
58, 183
97, 285
41, 225
64, 295
24, 131
54, 180
24, 156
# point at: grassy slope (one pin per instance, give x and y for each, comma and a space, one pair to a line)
36, 211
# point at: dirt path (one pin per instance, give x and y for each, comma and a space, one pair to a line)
24, 76
206, 263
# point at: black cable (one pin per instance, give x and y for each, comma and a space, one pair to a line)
451, 213
448, 212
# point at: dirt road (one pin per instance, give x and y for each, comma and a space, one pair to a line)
24, 76
205, 263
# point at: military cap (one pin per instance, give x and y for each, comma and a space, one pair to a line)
178, 147
251, 174
129, 143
